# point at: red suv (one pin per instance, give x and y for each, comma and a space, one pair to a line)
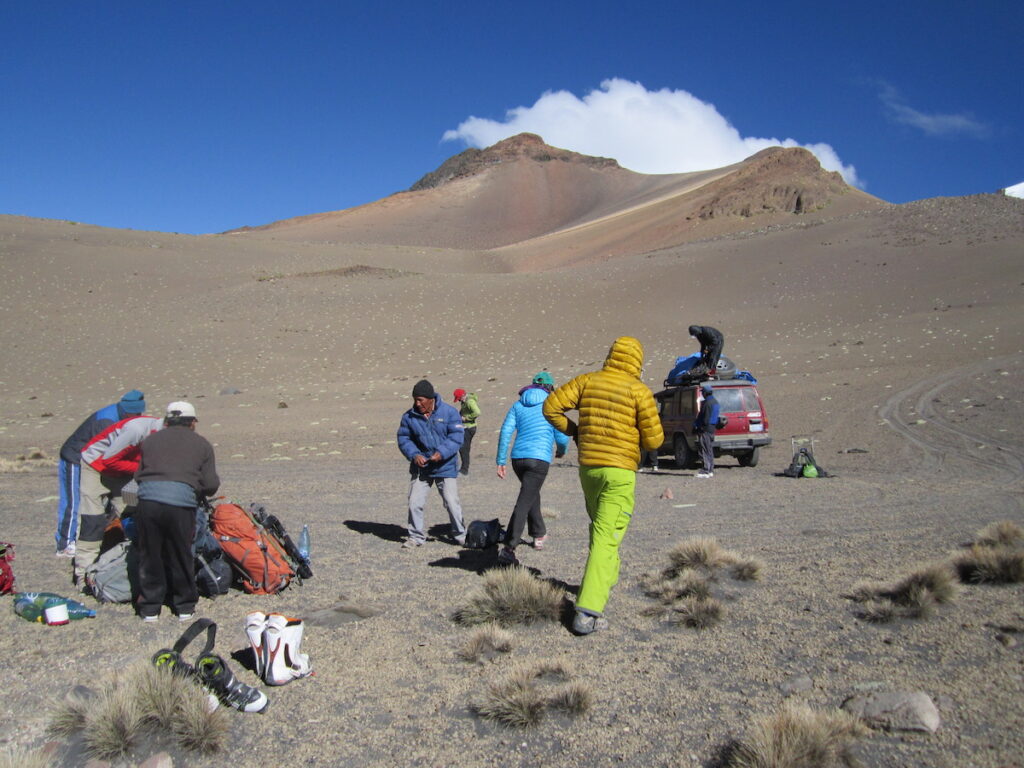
743, 436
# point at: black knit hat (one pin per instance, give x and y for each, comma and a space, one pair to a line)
423, 388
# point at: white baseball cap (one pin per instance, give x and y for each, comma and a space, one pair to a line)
181, 409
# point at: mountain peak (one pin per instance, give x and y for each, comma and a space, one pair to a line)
522, 146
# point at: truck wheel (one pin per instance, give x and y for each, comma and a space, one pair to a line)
726, 368
684, 455
750, 458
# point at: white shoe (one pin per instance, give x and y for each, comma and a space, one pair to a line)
704, 475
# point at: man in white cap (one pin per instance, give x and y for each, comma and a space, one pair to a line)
176, 468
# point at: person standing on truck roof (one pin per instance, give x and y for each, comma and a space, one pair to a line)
704, 427
711, 343
617, 418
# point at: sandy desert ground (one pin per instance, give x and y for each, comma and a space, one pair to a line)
892, 330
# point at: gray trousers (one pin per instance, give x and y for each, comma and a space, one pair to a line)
448, 487
706, 444
97, 491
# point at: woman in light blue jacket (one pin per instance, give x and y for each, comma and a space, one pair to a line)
531, 459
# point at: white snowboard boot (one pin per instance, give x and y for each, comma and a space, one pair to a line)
281, 641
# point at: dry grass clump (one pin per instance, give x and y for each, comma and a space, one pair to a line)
69, 715
991, 565
697, 552
139, 699
512, 596
114, 722
747, 569
485, 644
16, 757
799, 737
696, 612
1000, 534
669, 590
937, 580
528, 692
683, 590
915, 596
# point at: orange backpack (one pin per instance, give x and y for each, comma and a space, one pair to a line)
259, 559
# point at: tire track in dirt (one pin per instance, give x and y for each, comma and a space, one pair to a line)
938, 438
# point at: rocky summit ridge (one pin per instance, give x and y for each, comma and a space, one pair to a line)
523, 146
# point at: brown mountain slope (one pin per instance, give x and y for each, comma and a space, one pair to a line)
545, 206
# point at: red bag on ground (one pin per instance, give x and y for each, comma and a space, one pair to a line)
6, 573
258, 559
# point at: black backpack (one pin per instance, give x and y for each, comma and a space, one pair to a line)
213, 571
803, 459
481, 534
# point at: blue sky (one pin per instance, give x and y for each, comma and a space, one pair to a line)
203, 116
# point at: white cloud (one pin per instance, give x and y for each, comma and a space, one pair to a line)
934, 124
666, 131
1017, 190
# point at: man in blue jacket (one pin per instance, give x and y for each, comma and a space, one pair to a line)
704, 426
430, 436
69, 466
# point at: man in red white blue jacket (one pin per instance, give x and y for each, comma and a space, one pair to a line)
109, 461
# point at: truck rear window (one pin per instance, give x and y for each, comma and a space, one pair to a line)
736, 400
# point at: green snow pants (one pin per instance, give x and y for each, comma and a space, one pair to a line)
609, 493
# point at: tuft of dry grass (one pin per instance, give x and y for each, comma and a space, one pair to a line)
485, 643
696, 612
1004, 533
938, 579
800, 737
139, 698
697, 552
520, 700
863, 591
915, 596
669, 590
69, 713
514, 702
197, 727
878, 611
114, 722
574, 698
991, 565
17, 757
747, 569
512, 596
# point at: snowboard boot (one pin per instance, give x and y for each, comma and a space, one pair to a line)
281, 641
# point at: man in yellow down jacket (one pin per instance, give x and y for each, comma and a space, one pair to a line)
617, 416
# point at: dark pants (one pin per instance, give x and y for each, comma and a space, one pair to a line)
706, 446
709, 355
531, 473
166, 568
467, 441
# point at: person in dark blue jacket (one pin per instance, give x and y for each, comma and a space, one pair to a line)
531, 459
704, 426
430, 436
69, 466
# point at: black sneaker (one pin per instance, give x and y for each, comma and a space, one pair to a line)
218, 677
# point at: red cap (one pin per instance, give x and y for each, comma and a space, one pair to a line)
458, 394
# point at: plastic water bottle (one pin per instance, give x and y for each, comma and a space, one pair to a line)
304, 543
32, 605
